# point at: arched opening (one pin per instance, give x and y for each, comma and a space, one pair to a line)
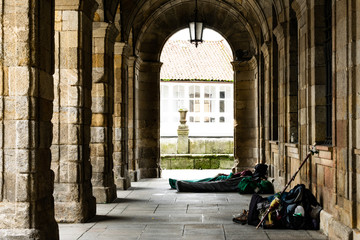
197, 82
241, 34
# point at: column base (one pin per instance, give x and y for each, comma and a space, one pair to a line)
105, 194
150, 172
123, 183
25, 234
134, 175
334, 229
75, 212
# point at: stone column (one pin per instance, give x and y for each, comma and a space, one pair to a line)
101, 145
74, 201
266, 81
183, 134
131, 142
26, 95
122, 178
148, 112
280, 163
245, 136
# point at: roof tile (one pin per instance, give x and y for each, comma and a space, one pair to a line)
211, 60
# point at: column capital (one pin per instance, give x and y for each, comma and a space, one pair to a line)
244, 65
119, 48
105, 30
88, 6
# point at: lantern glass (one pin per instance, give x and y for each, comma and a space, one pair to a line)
196, 31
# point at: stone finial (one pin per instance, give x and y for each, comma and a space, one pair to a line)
183, 133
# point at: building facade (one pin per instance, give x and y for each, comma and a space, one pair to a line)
80, 101
200, 80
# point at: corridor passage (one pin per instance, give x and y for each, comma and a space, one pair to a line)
151, 210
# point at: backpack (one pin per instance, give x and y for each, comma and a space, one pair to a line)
266, 187
253, 215
300, 197
248, 185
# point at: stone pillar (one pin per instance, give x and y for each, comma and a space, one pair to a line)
148, 112
74, 201
101, 154
122, 178
26, 95
266, 82
183, 134
245, 136
131, 142
279, 163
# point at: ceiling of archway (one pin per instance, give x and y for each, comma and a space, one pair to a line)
242, 22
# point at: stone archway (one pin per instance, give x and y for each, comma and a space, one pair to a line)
240, 34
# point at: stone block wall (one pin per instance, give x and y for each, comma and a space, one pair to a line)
331, 174
197, 161
199, 145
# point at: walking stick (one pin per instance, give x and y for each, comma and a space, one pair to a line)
276, 201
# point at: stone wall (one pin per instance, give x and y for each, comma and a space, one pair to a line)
197, 161
331, 174
199, 145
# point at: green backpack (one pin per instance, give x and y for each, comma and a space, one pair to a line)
248, 185
266, 187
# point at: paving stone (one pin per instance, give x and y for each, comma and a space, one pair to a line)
170, 215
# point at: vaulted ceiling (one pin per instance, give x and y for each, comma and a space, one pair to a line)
246, 24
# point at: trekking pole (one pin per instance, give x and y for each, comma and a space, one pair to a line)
276, 201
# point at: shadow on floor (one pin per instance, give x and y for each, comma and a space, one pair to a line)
129, 200
104, 218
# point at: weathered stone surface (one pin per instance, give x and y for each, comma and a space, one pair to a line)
103, 108
74, 201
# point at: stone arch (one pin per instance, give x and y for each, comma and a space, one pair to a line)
240, 34
174, 12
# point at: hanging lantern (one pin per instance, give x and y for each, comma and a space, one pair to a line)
196, 28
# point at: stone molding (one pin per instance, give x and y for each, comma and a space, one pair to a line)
279, 34
265, 49
119, 48
131, 61
299, 7
87, 6
137, 63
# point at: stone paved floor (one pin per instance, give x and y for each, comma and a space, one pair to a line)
150, 210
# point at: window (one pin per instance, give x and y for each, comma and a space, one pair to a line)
207, 104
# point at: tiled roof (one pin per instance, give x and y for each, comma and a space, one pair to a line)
211, 60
